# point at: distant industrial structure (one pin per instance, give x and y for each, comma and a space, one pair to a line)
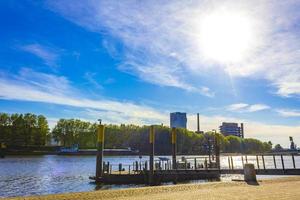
232, 129
198, 125
178, 120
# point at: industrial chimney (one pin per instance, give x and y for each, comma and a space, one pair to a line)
242, 130
198, 123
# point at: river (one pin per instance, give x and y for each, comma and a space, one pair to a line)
50, 174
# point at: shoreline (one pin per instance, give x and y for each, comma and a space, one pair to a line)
281, 188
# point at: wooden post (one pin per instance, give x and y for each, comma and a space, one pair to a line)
246, 159
173, 141
195, 163
274, 160
100, 147
232, 163
151, 142
294, 165
217, 151
107, 169
282, 162
243, 161
257, 161
263, 159
229, 164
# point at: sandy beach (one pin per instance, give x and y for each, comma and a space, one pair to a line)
283, 188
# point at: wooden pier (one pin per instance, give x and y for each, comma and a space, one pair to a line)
176, 170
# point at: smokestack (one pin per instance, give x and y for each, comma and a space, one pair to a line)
242, 130
198, 123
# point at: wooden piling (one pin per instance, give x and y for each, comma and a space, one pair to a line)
217, 151
173, 141
257, 161
294, 164
151, 142
282, 162
229, 164
274, 160
246, 159
263, 160
243, 161
100, 147
195, 163
232, 167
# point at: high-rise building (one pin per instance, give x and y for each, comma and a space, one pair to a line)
178, 120
232, 129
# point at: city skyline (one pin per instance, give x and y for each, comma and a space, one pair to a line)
112, 61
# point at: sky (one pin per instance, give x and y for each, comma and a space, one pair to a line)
137, 61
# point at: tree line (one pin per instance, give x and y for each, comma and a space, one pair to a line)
74, 131
23, 129
29, 129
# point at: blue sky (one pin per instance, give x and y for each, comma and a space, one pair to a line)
136, 61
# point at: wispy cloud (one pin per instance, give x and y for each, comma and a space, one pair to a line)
243, 107
288, 112
33, 86
47, 54
162, 39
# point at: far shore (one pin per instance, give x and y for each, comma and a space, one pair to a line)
273, 189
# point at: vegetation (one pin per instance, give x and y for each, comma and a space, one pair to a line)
74, 131
23, 130
29, 129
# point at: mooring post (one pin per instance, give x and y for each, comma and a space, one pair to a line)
274, 162
257, 161
243, 161
107, 169
136, 166
231, 163
294, 165
173, 140
195, 163
151, 142
100, 146
282, 162
263, 160
217, 151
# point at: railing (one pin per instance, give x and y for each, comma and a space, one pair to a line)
185, 163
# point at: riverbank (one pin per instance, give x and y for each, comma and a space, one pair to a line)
283, 188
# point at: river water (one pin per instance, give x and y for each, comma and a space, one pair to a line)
50, 174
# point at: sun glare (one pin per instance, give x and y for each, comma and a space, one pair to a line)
225, 37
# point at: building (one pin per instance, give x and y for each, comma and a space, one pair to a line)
232, 129
178, 120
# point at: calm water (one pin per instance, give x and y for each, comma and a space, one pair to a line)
31, 175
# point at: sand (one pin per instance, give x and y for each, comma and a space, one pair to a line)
283, 188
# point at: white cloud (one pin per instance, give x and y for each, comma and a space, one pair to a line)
47, 54
243, 107
238, 106
48, 88
289, 113
163, 45
34, 86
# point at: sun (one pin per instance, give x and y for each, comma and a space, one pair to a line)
225, 37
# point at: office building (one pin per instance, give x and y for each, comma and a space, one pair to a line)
232, 129
178, 120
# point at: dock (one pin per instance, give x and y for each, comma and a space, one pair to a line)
208, 167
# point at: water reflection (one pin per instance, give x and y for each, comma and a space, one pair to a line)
32, 175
